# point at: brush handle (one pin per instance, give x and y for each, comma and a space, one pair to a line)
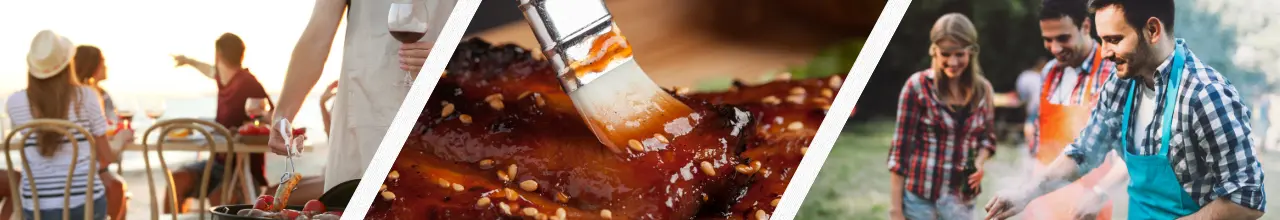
566, 30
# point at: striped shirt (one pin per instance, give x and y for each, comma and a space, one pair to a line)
933, 146
1211, 150
50, 173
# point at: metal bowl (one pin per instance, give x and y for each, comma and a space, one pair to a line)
228, 212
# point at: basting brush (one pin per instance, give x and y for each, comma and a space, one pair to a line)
625, 109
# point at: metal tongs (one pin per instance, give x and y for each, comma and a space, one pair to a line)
289, 181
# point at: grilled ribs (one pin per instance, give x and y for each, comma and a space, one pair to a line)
499, 139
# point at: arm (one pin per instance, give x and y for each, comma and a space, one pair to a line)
1116, 178
309, 56
1220, 129
324, 107
306, 63
204, 68
902, 138
92, 104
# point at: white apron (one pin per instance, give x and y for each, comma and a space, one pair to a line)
371, 88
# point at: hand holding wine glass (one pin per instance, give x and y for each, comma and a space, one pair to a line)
408, 23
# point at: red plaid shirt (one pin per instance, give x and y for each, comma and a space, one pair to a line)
931, 149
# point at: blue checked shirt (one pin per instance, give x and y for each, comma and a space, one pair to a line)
1211, 149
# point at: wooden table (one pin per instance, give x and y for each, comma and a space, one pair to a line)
673, 45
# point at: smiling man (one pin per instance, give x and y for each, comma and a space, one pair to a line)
1180, 126
1072, 82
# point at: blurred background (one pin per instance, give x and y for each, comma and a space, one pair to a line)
1235, 37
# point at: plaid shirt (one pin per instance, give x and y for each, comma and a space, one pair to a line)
932, 150
1211, 149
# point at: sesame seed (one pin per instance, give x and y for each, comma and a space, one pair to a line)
486, 163
393, 175
707, 168
796, 99
466, 119
447, 110
760, 215
511, 170
804, 150
661, 138
383, 188
828, 93
443, 183
544, 217
502, 175
606, 214
524, 94
704, 197
496, 105
755, 165
531, 212
538, 100
388, 195
797, 90
771, 100
495, 96
506, 210
775, 202
635, 145
511, 194
483, 202
744, 169
457, 187
529, 185
835, 82
560, 213
795, 126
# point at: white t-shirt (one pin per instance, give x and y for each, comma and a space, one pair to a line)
50, 173
1145, 115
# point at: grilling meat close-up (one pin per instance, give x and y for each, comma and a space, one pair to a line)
499, 139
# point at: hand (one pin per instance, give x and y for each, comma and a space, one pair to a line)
413, 55
277, 142
1006, 204
896, 214
329, 93
121, 138
975, 179
181, 60
1089, 205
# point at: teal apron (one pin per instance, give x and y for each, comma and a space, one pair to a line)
1154, 190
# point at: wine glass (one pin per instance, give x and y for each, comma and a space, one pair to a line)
155, 110
124, 114
408, 20
257, 108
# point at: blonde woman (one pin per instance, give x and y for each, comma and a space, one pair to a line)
54, 93
945, 129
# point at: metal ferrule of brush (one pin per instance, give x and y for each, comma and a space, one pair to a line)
566, 30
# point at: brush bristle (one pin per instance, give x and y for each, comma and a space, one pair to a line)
626, 105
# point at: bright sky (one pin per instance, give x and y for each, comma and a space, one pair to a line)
138, 36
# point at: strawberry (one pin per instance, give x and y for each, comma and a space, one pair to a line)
314, 206
264, 202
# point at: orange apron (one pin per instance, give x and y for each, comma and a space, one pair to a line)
1059, 126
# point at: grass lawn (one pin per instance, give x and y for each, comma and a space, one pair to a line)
854, 181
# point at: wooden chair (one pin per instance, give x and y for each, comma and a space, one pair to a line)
197, 127
65, 128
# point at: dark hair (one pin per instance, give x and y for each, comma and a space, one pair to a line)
1136, 12
88, 60
1077, 10
231, 49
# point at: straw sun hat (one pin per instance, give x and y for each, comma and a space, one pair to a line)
50, 54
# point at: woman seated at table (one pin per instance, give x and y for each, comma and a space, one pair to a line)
54, 93
90, 69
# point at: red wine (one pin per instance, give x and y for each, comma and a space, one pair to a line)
407, 37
